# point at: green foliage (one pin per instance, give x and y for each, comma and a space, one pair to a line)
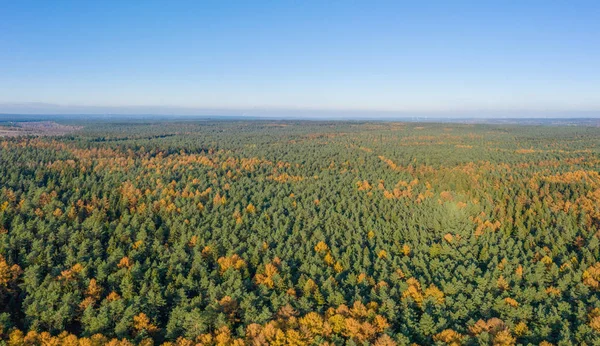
451, 232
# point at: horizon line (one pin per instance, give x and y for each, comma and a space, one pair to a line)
41, 108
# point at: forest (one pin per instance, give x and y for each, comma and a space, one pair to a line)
214, 232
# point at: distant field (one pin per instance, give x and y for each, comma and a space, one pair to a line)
35, 128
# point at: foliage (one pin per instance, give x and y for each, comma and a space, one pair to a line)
301, 233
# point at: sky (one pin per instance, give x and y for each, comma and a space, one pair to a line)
300, 57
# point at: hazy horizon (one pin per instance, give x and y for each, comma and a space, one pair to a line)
50, 110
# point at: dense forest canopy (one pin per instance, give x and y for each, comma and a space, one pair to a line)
301, 233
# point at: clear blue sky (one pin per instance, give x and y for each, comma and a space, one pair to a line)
336, 55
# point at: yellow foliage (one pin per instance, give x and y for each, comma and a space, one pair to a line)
57, 212
353, 328
358, 310
553, 291
446, 195
433, 292
502, 264
321, 247
223, 336
17, 337
291, 292
521, 329
142, 322
406, 250
328, 258
384, 340
502, 283
359, 323
267, 278
504, 338
413, 292
94, 290
88, 301
400, 273
594, 317
70, 274
219, 200
228, 305
113, 296
8, 274
591, 276
519, 271
363, 185
492, 326
313, 323
547, 260
310, 286
338, 267
125, 262
294, 338
337, 323
595, 323
511, 302
234, 262
206, 251
449, 337
285, 178
381, 323
250, 209
449, 237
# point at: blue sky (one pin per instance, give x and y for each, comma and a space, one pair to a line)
278, 56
